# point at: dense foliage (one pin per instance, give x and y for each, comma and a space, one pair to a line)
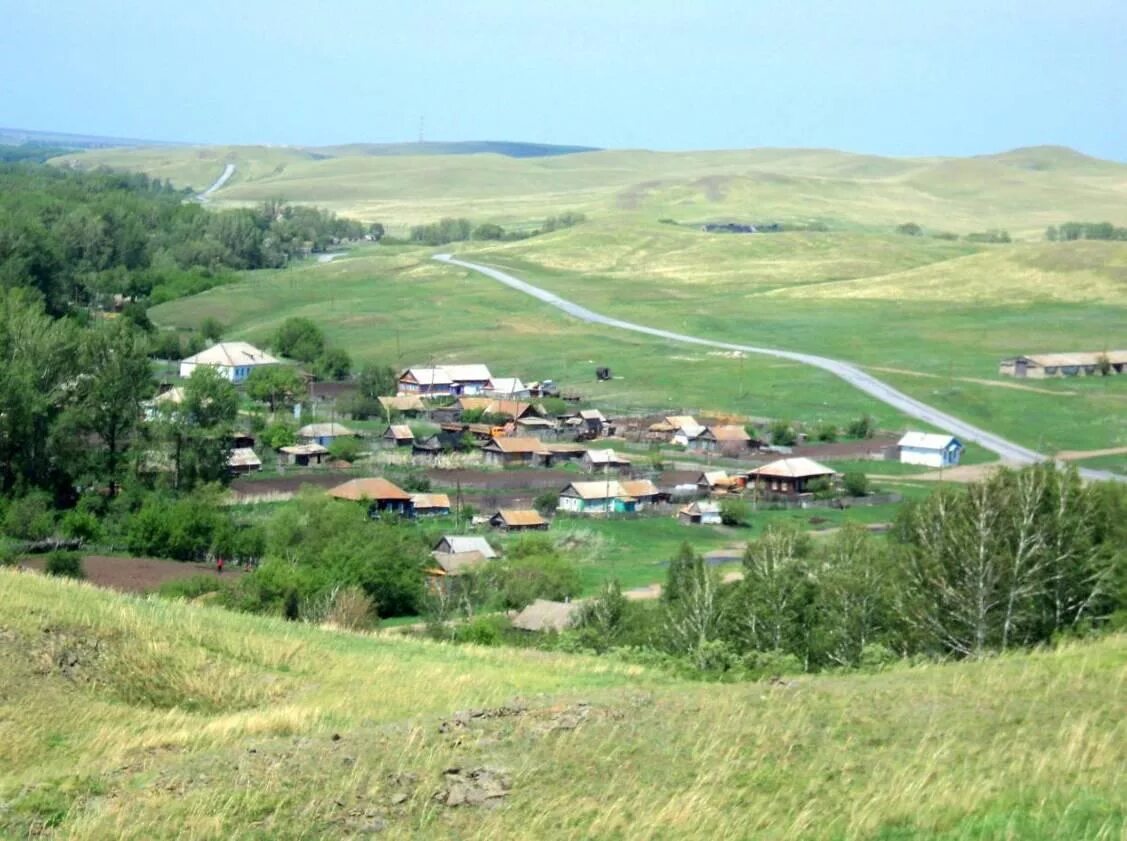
80, 238
1085, 230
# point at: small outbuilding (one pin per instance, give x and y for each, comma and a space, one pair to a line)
398, 435
458, 544
324, 433
518, 519
302, 455
931, 449
430, 505
700, 513
243, 460
543, 615
604, 461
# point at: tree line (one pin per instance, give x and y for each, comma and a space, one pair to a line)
450, 229
1070, 231
80, 238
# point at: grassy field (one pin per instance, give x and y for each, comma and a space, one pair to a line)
172, 720
398, 307
1024, 190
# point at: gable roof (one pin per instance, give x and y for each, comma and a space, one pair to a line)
427, 376
1065, 360
607, 456
472, 404
303, 450
639, 488
793, 468
701, 507
730, 432
243, 457
373, 488
404, 403
597, 490
927, 440
456, 563
506, 385
591, 414
714, 477
231, 354
467, 373
459, 543
519, 517
399, 432
430, 500
174, 395
324, 430
514, 445
544, 615
682, 421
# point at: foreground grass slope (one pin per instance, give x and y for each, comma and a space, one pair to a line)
1023, 190
168, 720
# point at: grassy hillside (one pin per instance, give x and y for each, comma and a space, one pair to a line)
170, 720
1024, 190
398, 307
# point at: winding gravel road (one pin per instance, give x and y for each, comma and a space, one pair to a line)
1006, 450
224, 177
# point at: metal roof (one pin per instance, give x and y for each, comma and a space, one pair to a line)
232, 354
793, 468
373, 488
607, 456
469, 543
927, 440
1061, 360
520, 517
324, 430
430, 500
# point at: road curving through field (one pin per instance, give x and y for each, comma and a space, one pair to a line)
1008, 451
224, 177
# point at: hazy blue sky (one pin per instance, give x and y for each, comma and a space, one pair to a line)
893, 77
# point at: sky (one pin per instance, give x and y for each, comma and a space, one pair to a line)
945, 77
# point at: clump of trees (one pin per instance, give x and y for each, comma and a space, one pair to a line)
450, 229
1070, 231
1014, 561
301, 339
992, 236
80, 238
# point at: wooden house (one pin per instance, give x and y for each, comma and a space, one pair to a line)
604, 461
518, 519
398, 435
430, 504
598, 497
324, 433
303, 455
789, 476
700, 513
243, 460
930, 449
382, 496
459, 543
511, 452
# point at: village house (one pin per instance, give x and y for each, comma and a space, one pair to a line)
243, 460
789, 476
643, 490
233, 360
508, 387
445, 380
398, 435
302, 455
458, 543
604, 461
449, 569
536, 427
431, 446
510, 452
324, 433
546, 616
700, 513
518, 519
599, 497
930, 449
731, 439
591, 423
1042, 365
382, 496
687, 433
718, 482
430, 504
553, 454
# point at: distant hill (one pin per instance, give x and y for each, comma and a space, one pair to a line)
64, 140
463, 147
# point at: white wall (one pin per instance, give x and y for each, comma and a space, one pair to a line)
919, 455
570, 503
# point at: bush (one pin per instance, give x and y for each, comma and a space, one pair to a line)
546, 502
827, 432
862, 427
909, 229
346, 449
299, 338
81, 525
333, 364
30, 517
211, 329
482, 630
351, 608
65, 564
734, 512
783, 434
190, 588
856, 484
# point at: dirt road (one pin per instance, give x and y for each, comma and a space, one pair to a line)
1007, 450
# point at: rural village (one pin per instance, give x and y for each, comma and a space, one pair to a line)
495, 461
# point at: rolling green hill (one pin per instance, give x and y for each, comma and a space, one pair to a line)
136, 719
1024, 190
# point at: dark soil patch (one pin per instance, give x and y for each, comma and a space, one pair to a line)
132, 575
498, 479
251, 488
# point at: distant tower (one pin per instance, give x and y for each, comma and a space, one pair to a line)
422, 119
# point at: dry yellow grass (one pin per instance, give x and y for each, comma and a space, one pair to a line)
348, 734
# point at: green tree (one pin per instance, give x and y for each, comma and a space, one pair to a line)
333, 364
299, 338
65, 564
199, 429
275, 385
855, 483
109, 395
211, 329
783, 434
734, 511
